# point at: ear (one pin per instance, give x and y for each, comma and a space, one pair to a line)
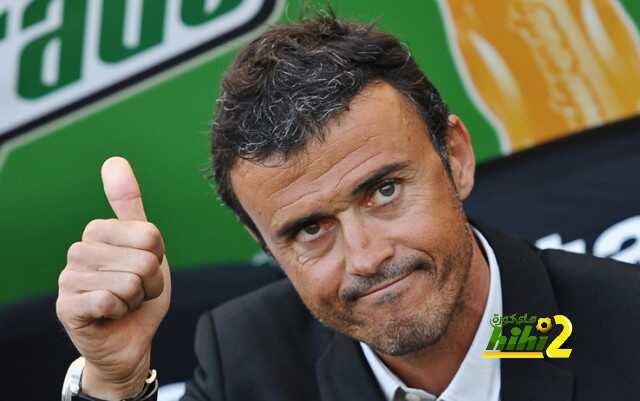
461, 157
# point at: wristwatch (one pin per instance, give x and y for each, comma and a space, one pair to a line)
72, 391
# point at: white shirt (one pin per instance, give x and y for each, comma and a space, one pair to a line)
477, 378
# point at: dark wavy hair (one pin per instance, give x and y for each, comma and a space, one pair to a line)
286, 84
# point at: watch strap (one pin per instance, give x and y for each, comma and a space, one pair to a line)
149, 393
72, 391
72, 379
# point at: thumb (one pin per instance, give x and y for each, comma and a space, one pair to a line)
122, 190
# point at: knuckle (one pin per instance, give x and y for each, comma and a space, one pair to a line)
61, 309
148, 264
151, 236
132, 285
75, 252
104, 303
63, 280
93, 228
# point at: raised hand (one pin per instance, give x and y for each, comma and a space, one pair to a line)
115, 290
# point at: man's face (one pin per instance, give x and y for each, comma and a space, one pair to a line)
368, 224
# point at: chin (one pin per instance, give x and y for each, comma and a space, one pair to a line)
402, 337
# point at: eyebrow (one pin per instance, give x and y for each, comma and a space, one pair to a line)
295, 225
376, 176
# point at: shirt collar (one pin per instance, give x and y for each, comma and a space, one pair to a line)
477, 378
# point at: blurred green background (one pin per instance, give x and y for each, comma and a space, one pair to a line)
50, 185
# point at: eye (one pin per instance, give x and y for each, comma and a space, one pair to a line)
385, 194
310, 232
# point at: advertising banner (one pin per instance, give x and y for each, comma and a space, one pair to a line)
83, 80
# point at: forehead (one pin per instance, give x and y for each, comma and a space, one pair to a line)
380, 127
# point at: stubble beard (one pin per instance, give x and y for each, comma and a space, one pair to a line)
429, 323
397, 336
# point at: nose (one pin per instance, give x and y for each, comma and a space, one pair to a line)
365, 246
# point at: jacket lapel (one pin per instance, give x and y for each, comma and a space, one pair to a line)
343, 374
526, 288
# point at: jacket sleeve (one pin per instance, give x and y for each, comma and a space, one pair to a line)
207, 382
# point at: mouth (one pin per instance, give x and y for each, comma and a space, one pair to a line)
387, 285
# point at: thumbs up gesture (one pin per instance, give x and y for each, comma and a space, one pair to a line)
115, 290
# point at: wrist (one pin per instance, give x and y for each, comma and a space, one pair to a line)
98, 385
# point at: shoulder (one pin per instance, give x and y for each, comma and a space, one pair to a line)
600, 292
593, 292
253, 345
600, 297
273, 308
591, 275
271, 328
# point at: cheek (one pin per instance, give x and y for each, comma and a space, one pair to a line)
430, 221
317, 282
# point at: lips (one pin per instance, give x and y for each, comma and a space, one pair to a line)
389, 274
387, 284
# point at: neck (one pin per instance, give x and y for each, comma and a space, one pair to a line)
433, 368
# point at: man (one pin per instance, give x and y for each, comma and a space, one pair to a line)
341, 159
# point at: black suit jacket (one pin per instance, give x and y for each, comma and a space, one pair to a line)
267, 346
